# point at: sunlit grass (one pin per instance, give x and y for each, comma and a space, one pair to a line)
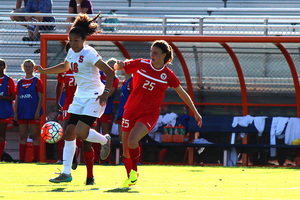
30, 181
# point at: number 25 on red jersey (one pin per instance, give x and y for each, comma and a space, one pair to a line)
148, 85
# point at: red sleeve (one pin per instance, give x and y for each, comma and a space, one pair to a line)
39, 86
60, 78
17, 91
173, 80
116, 83
11, 87
132, 66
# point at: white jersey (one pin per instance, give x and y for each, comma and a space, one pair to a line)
86, 74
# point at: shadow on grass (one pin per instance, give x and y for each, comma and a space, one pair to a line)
62, 189
121, 190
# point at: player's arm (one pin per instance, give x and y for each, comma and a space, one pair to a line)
16, 108
39, 106
186, 98
110, 75
62, 67
58, 92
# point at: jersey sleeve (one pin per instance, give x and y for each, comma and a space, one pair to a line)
173, 80
11, 87
132, 66
60, 78
39, 86
116, 83
93, 56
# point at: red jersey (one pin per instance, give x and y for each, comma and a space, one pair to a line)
149, 86
115, 83
11, 87
68, 79
26, 82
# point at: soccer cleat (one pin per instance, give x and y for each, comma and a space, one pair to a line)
90, 181
61, 178
75, 162
105, 149
133, 177
126, 183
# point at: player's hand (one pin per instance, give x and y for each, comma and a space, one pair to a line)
198, 118
59, 108
38, 68
16, 117
37, 115
119, 65
102, 98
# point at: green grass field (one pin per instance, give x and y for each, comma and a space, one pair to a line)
30, 181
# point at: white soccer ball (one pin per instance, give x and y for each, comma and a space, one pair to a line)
51, 132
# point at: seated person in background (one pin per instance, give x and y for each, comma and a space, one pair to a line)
19, 9
78, 6
38, 6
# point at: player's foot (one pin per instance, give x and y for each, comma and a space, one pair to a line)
61, 178
126, 183
133, 177
90, 181
75, 162
59, 162
105, 149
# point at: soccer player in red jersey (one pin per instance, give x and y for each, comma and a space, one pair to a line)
7, 95
28, 109
151, 78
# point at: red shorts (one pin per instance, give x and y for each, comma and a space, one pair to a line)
129, 120
6, 120
106, 118
28, 121
119, 121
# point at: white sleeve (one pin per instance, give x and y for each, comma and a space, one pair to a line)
93, 56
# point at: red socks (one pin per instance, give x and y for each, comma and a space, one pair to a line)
2, 146
22, 152
36, 153
97, 148
135, 157
89, 162
60, 148
128, 165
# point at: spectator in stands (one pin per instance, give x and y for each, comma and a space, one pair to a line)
78, 6
19, 9
151, 78
105, 121
38, 6
7, 95
28, 109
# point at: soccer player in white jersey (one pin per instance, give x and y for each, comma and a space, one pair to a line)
90, 96
151, 78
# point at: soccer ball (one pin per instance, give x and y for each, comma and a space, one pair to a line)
51, 132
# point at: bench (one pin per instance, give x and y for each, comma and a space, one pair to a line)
220, 126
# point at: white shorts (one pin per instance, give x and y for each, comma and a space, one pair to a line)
86, 106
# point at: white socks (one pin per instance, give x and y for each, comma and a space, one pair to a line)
96, 137
68, 154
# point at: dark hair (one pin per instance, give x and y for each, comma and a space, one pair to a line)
166, 48
3, 62
67, 47
84, 26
